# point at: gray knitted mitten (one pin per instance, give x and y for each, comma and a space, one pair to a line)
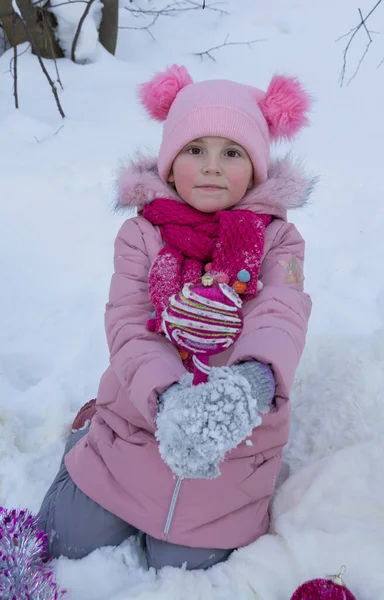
198, 425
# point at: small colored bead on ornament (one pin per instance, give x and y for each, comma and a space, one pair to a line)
151, 325
208, 267
240, 287
244, 276
207, 280
222, 278
183, 354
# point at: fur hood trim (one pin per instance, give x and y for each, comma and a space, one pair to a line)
286, 188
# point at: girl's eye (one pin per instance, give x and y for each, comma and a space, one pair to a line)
232, 153
194, 150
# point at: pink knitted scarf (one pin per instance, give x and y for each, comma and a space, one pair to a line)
231, 240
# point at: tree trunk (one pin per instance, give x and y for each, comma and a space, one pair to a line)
15, 33
41, 24
109, 25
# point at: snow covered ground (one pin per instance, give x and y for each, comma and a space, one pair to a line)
56, 241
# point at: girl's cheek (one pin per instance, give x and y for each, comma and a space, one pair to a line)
241, 177
185, 170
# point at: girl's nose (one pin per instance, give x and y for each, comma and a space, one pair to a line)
212, 167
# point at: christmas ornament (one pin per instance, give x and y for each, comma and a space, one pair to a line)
205, 318
23, 573
330, 588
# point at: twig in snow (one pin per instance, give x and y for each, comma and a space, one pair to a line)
225, 43
78, 30
213, 6
174, 8
56, 132
370, 40
42, 65
38, 2
15, 91
170, 10
352, 33
146, 27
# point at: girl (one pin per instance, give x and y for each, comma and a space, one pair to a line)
193, 468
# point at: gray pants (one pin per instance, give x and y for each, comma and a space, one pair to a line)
76, 525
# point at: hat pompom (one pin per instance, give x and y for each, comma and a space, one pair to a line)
284, 107
158, 94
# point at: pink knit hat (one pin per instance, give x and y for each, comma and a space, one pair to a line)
222, 108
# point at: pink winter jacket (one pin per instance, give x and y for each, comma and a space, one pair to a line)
117, 463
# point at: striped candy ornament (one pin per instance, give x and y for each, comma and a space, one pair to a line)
203, 319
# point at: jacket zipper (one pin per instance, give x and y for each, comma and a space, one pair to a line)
172, 507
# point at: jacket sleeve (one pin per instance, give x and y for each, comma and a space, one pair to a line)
145, 363
275, 322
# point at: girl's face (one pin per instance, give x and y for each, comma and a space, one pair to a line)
212, 174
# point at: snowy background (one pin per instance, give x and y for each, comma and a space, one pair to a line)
56, 241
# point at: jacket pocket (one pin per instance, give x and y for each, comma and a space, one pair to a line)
261, 483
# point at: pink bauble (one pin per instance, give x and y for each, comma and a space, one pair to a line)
322, 589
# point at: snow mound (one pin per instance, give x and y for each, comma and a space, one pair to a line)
338, 397
323, 519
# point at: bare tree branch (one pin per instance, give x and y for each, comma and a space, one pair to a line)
364, 24
225, 43
170, 10
10, 70
15, 91
146, 27
174, 8
352, 33
43, 68
77, 34
365, 51
213, 6
38, 2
